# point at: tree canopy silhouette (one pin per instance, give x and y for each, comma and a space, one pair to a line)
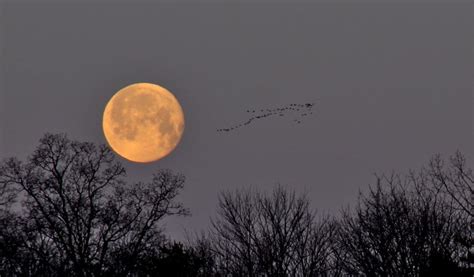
270, 235
68, 210
79, 213
404, 226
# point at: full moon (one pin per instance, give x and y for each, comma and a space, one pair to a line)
143, 122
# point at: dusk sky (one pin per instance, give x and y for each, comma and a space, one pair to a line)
392, 85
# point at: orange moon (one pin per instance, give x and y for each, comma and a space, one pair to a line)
143, 122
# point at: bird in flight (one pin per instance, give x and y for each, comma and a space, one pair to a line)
301, 111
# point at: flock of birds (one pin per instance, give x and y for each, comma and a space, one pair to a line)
302, 110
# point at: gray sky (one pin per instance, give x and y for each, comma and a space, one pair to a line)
393, 84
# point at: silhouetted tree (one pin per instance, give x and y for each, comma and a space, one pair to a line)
172, 259
78, 211
455, 179
68, 211
402, 227
270, 235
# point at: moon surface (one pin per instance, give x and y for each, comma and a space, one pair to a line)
143, 122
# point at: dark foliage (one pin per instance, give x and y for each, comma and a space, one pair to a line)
174, 260
405, 227
78, 212
68, 211
270, 235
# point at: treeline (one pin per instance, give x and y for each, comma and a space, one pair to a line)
68, 211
